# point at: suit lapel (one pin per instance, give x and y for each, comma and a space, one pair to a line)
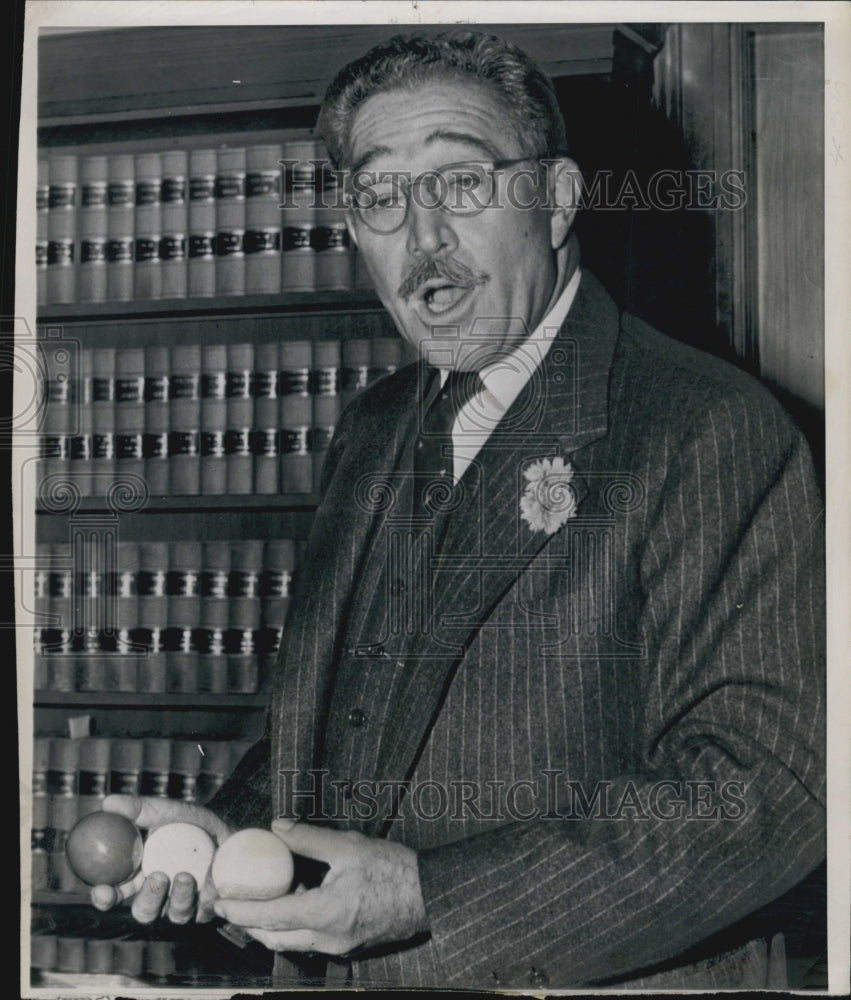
486, 543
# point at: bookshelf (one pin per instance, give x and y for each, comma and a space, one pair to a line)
200, 342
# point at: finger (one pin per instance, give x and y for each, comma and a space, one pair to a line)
207, 896
317, 842
182, 898
104, 897
149, 812
308, 909
148, 902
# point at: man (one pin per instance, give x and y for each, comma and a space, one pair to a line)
551, 688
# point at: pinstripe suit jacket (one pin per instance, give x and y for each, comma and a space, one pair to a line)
609, 740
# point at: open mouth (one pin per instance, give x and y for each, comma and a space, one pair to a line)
440, 298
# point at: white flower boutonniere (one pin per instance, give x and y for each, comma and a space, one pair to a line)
548, 500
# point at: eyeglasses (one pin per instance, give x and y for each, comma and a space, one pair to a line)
380, 199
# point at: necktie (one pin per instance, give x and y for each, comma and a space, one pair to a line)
433, 459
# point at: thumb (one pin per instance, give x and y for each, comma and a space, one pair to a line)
311, 841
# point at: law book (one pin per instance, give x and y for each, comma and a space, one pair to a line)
186, 761
99, 956
62, 228
59, 414
175, 218
240, 418
64, 809
298, 217
71, 953
123, 657
40, 822
325, 390
59, 636
128, 956
153, 605
120, 246
361, 278
214, 419
130, 411
156, 766
279, 557
159, 960
103, 417
94, 773
80, 455
125, 761
94, 175
296, 416
201, 216
42, 202
244, 616
44, 951
184, 616
157, 419
215, 768
184, 436
147, 284
213, 662
265, 430
230, 221
89, 592
355, 355
330, 237
41, 610
263, 190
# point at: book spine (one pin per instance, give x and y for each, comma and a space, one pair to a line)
157, 419
70, 954
64, 809
360, 275
173, 243
156, 766
213, 663
230, 222
81, 442
103, 415
214, 413
40, 814
296, 415
244, 611
62, 229
99, 956
56, 434
94, 173
130, 411
42, 203
41, 593
215, 767
201, 267
325, 386
153, 614
354, 368
89, 585
265, 434
120, 247
185, 767
240, 418
44, 951
184, 616
128, 956
148, 279
59, 649
125, 762
385, 357
330, 237
125, 661
275, 589
184, 436
298, 217
263, 190
94, 773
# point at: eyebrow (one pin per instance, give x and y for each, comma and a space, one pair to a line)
446, 135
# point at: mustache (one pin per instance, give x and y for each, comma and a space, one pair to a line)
452, 270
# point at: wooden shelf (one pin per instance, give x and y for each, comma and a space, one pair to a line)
284, 502
161, 700
362, 300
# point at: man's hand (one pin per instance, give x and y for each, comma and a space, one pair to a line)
151, 895
370, 895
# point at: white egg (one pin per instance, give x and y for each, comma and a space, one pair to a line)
252, 864
179, 847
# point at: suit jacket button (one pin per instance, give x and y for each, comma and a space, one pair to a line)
356, 718
538, 978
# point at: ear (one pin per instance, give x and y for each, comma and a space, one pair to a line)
565, 191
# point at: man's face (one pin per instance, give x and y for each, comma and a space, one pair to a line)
501, 264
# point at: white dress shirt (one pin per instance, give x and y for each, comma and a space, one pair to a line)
503, 381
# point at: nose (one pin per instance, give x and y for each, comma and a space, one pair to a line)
429, 231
